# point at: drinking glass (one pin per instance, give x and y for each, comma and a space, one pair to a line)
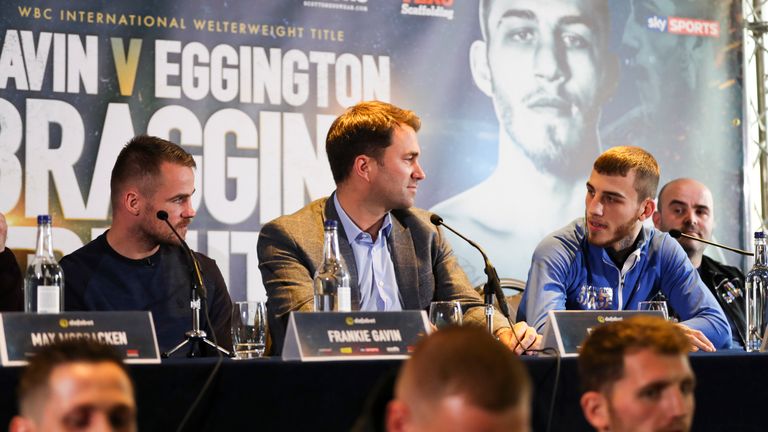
445, 313
654, 306
249, 329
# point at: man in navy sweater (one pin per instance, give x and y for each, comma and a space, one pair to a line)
139, 264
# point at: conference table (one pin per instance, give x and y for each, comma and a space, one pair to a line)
270, 394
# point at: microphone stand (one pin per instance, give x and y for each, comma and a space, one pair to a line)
492, 286
196, 336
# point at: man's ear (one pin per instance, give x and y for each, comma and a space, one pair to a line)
130, 201
361, 167
649, 206
481, 71
657, 219
398, 416
595, 408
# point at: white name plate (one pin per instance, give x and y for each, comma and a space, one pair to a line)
327, 336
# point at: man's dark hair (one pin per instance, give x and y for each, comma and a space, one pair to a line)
364, 129
618, 161
34, 380
465, 361
601, 360
140, 161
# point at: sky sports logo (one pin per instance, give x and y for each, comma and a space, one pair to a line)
684, 26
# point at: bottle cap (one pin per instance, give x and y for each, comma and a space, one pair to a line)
43, 219
332, 224
759, 235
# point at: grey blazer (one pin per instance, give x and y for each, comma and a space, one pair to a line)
290, 249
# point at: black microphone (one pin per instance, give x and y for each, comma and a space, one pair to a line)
199, 284
493, 286
677, 234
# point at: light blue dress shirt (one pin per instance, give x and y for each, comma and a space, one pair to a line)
375, 270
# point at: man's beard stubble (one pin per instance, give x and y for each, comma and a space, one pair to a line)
623, 235
159, 233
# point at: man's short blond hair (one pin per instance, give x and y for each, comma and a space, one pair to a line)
618, 161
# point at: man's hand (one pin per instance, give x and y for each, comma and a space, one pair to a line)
527, 338
3, 232
697, 338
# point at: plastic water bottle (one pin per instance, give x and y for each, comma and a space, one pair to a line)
332, 292
756, 286
44, 282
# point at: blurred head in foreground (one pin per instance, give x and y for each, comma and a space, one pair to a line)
461, 379
636, 377
75, 385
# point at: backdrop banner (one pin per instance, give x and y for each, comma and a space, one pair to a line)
517, 98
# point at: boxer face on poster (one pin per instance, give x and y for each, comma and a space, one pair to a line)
546, 66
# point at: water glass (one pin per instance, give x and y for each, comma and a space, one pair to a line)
654, 306
445, 313
249, 329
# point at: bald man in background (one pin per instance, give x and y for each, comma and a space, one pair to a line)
687, 205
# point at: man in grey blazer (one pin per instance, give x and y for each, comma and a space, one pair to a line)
397, 258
